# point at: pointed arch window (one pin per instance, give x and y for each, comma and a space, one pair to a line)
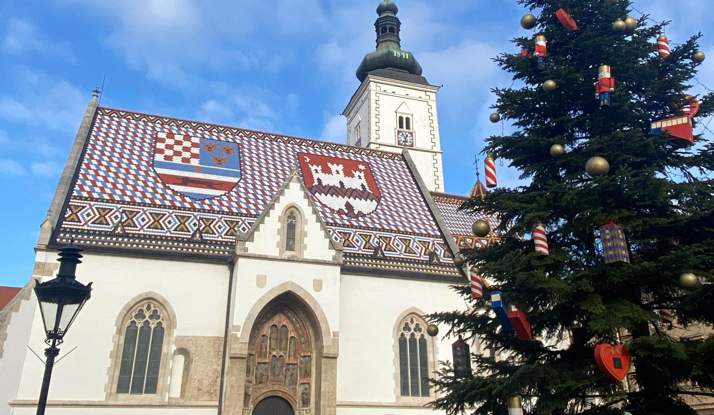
142, 349
413, 358
290, 231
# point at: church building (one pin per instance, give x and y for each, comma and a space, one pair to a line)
240, 272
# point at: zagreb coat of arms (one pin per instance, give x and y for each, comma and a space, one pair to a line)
345, 186
199, 168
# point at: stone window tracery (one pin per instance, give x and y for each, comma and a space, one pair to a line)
413, 358
142, 349
290, 235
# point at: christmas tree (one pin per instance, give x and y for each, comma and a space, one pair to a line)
619, 285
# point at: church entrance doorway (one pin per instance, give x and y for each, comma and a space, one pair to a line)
273, 405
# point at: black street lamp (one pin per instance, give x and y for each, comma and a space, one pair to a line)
60, 301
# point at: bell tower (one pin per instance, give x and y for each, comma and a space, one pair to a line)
394, 108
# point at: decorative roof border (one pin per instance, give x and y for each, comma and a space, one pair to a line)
285, 139
448, 198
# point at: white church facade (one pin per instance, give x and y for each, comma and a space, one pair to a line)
243, 272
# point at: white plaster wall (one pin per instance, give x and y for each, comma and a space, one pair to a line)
197, 293
370, 309
390, 99
266, 238
14, 350
360, 115
146, 410
278, 272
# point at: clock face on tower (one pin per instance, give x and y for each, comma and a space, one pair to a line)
405, 138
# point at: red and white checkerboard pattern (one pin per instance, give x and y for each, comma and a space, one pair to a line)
178, 148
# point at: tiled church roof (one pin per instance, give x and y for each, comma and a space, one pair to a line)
459, 222
127, 197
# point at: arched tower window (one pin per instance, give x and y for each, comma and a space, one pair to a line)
392, 29
401, 122
409, 123
414, 356
141, 353
384, 29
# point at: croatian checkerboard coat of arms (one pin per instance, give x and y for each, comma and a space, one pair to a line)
345, 186
199, 168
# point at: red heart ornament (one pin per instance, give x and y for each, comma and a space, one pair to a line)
613, 360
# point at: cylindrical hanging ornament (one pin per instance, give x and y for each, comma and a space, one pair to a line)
605, 85
515, 407
614, 243
490, 167
666, 315
476, 284
540, 239
541, 50
663, 46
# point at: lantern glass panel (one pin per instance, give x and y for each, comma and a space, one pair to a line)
49, 315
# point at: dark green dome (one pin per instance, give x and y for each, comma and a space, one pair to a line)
389, 54
387, 6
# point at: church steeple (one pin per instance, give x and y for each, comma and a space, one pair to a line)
389, 54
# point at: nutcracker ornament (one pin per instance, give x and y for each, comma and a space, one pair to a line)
614, 243
515, 406
681, 126
605, 85
501, 310
519, 321
476, 284
541, 51
490, 167
663, 46
540, 239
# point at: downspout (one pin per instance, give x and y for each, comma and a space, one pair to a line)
228, 329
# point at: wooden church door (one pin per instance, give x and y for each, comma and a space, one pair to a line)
273, 406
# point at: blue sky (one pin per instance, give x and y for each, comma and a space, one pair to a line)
284, 66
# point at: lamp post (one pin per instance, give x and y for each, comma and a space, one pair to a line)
60, 300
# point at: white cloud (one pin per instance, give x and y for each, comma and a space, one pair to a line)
11, 168
44, 99
46, 169
334, 129
22, 37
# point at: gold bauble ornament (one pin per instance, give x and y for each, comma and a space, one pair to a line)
432, 330
688, 281
528, 21
597, 166
557, 150
549, 85
494, 117
481, 228
619, 26
630, 24
698, 56
459, 260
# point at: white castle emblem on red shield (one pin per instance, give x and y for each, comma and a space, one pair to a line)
345, 186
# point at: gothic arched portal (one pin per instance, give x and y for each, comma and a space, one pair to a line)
283, 359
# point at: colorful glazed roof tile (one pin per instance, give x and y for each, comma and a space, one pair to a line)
149, 183
459, 222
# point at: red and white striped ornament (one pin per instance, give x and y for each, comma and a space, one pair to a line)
476, 284
540, 239
663, 46
667, 316
490, 167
